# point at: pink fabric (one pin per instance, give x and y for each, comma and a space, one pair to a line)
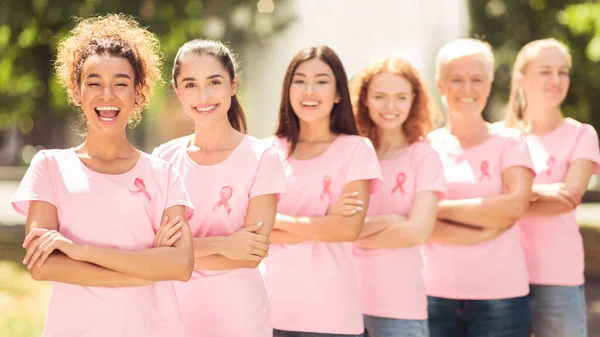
117, 211
494, 269
553, 245
312, 285
228, 303
390, 280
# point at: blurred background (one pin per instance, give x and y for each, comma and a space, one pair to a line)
265, 34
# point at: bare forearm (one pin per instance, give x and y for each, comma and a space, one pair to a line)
329, 228
206, 246
497, 212
220, 262
281, 237
60, 268
401, 235
157, 264
457, 235
547, 208
374, 225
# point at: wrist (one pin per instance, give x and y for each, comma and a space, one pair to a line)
81, 253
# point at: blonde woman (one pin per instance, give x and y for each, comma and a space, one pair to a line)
565, 155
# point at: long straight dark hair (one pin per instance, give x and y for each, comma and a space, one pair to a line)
235, 114
341, 120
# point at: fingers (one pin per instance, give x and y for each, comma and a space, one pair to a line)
170, 242
169, 233
259, 253
39, 250
35, 233
353, 201
47, 250
259, 239
261, 246
32, 245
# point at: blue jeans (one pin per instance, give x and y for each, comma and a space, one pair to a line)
479, 318
284, 333
391, 327
558, 311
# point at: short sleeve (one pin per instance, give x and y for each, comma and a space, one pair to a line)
36, 185
270, 176
516, 153
363, 164
177, 194
586, 147
430, 173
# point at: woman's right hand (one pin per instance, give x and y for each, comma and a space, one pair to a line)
245, 244
347, 205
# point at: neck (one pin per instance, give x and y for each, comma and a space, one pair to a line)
107, 146
542, 120
467, 128
213, 136
389, 139
316, 131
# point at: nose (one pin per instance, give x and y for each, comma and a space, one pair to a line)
204, 95
108, 93
468, 86
309, 87
390, 105
555, 78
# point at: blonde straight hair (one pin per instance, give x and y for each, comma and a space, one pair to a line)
517, 102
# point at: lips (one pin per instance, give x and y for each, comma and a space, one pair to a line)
205, 109
310, 104
107, 113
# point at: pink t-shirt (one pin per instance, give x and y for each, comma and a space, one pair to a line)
312, 285
227, 303
117, 211
493, 269
553, 245
391, 280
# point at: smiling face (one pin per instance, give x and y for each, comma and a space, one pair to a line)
545, 80
389, 99
107, 93
313, 91
465, 85
204, 88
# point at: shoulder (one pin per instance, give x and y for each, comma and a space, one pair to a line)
167, 149
353, 141
579, 127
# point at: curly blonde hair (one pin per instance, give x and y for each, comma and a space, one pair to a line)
423, 112
116, 35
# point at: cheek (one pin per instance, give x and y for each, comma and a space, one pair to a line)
327, 93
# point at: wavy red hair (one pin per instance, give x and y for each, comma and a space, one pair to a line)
423, 111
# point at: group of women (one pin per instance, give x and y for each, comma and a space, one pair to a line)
366, 221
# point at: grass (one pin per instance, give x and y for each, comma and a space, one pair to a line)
23, 301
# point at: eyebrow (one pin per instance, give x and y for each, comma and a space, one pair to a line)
317, 75
94, 75
395, 93
186, 79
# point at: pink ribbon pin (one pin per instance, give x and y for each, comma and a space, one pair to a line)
550, 162
400, 179
224, 197
485, 166
141, 188
326, 188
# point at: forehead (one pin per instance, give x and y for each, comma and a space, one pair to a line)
390, 82
313, 67
550, 57
468, 65
201, 66
106, 66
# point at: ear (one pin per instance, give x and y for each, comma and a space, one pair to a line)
519, 79
76, 95
337, 98
234, 85
139, 98
441, 87
175, 89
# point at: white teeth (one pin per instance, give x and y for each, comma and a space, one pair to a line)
389, 116
310, 103
107, 119
107, 108
467, 100
205, 109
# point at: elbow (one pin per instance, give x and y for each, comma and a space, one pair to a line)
37, 273
351, 234
517, 209
186, 267
252, 264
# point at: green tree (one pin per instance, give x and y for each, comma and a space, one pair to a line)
509, 25
30, 97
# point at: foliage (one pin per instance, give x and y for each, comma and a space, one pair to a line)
509, 25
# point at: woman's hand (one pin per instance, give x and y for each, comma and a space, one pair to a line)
41, 242
347, 205
168, 233
245, 244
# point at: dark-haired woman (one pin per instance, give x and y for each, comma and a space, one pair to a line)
309, 273
233, 180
